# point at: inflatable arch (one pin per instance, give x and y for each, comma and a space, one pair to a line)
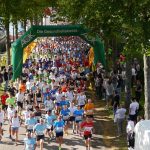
53, 31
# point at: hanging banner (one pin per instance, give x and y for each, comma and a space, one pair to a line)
91, 56
3, 61
28, 50
19, 55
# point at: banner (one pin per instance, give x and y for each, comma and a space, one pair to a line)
91, 56
3, 61
28, 50
19, 54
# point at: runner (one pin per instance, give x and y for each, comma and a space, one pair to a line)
49, 104
15, 124
30, 123
29, 142
72, 109
20, 99
87, 127
65, 112
22, 86
10, 111
89, 108
25, 114
49, 119
81, 99
38, 98
59, 127
37, 113
4, 96
39, 129
78, 117
10, 100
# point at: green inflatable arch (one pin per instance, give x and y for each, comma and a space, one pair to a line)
54, 30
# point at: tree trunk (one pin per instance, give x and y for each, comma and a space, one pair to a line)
7, 41
41, 21
115, 52
147, 85
16, 29
128, 83
31, 22
24, 25
13, 34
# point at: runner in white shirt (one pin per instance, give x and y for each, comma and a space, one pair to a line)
45, 87
52, 76
69, 95
58, 96
73, 75
49, 104
20, 99
28, 84
15, 124
26, 113
1, 122
10, 112
81, 99
53, 85
39, 84
72, 108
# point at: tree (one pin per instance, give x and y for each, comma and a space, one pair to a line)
14, 11
129, 20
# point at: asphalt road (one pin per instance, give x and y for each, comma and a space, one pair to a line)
71, 141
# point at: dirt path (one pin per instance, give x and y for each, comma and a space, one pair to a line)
106, 127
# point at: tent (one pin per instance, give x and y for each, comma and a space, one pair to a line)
142, 135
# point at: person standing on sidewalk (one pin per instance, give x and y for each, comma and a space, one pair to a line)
5, 75
97, 86
109, 93
138, 90
121, 111
133, 110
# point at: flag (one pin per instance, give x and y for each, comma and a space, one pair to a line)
28, 50
91, 56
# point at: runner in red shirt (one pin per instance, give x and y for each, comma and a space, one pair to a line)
4, 96
87, 127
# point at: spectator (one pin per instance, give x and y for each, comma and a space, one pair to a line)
121, 111
133, 109
109, 92
5, 74
130, 133
138, 90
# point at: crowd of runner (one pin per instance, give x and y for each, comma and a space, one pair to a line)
49, 97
